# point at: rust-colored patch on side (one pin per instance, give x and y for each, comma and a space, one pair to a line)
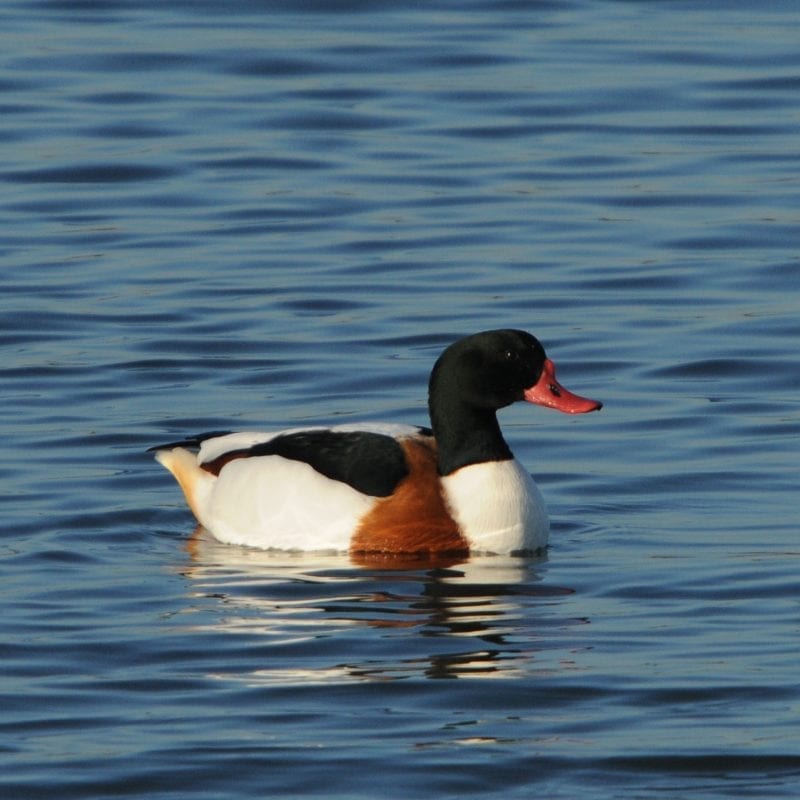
216, 464
414, 519
409, 561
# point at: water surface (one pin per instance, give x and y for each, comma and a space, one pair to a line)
272, 214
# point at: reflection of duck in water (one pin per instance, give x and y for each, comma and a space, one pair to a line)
382, 490
487, 617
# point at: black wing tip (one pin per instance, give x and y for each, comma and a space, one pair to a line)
193, 442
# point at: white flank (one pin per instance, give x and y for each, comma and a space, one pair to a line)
498, 507
275, 502
270, 501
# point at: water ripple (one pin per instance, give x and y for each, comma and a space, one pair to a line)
278, 213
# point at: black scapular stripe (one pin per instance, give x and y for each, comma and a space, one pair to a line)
371, 463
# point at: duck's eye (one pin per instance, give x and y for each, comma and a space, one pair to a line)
508, 355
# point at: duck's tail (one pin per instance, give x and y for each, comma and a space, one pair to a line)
194, 481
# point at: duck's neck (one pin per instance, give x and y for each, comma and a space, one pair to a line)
466, 435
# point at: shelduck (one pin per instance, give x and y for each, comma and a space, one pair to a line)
383, 490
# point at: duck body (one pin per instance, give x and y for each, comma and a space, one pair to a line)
387, 489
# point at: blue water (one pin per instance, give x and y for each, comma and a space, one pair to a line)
267, 214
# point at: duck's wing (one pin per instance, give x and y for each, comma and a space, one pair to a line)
369, 458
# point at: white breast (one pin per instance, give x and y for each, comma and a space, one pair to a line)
498, 507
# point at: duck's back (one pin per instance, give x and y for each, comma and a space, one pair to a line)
298, 489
